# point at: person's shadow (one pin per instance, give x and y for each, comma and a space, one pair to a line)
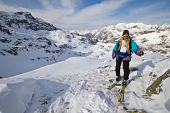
167, 105
140, 68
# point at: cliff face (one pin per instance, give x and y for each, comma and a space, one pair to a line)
23, 20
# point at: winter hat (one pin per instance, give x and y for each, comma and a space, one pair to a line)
125, 32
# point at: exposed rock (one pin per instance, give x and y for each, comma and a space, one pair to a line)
155, 88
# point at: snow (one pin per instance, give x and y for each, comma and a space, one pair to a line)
76, 81
75, 85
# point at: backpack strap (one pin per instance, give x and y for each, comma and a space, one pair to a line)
130, 46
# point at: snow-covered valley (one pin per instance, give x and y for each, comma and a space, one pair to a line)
50, 70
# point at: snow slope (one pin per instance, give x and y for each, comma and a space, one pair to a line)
35, 50
75, 86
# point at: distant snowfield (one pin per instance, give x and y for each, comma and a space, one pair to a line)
75, 86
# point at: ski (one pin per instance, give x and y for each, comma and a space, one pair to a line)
121, 94
113, 85
122, 91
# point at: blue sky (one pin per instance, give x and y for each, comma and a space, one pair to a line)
92, 14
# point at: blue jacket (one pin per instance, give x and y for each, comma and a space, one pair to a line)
134, 46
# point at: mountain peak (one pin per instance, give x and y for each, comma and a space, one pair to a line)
18, 20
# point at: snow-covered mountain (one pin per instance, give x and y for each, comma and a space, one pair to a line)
45, 69
31, 42
23, 20
151, 37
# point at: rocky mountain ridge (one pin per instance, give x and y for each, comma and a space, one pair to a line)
22, 20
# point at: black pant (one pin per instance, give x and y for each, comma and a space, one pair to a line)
125, 68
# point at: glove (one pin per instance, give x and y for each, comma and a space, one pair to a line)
113, 54
141, 53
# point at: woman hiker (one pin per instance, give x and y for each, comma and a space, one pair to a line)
122, 52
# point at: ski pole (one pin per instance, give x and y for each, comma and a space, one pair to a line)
142, 74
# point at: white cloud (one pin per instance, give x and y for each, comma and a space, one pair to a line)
150, 14
147, 9
4, 7
142, 10
65, 14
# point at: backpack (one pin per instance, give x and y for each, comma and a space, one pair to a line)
130, 46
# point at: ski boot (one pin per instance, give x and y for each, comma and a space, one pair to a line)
124, 82
118, 78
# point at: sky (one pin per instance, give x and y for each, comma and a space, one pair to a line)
92, 14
